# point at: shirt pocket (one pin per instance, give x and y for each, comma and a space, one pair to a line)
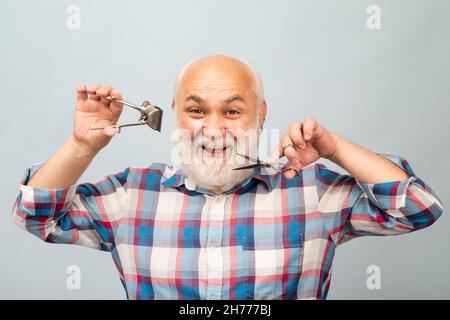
272, 267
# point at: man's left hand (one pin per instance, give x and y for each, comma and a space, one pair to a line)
304, 143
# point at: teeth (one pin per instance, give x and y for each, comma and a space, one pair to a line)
214, 149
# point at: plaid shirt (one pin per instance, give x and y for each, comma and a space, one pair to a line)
269, 238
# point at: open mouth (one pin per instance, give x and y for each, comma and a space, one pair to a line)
213, 152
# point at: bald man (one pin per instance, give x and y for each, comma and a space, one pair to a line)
199, 229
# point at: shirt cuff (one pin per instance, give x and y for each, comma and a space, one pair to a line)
390, 195
44, 201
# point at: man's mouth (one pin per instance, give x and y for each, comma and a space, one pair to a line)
213, 151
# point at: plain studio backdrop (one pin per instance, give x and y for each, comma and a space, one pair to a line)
385, 89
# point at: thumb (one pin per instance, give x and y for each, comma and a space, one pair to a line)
275, 156
111, 131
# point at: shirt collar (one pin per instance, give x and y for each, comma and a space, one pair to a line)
174, 177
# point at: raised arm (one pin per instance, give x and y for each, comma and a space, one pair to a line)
381, 195
51, 206
67, 165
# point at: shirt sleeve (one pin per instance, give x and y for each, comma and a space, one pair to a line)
84, 214
350, 208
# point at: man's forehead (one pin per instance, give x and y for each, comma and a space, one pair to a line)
207, 93
222, 78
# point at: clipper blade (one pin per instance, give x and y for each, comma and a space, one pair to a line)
155, 119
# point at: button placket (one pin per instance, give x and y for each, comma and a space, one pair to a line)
214, 250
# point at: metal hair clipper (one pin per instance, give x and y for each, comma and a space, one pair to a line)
150, 115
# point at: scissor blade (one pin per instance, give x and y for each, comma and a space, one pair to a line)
249, 166
249, 158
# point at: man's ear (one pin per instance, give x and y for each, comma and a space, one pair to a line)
173, 104
262, 114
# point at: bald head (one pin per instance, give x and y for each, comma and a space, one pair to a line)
219, 92
220, 66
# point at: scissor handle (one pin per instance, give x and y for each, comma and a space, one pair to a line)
142, 108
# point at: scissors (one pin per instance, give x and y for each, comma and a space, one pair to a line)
259, 163
150, 115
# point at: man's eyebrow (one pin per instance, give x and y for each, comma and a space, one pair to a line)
194, 97
230, 99
234, 97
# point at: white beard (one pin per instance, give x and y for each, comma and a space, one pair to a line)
216, 173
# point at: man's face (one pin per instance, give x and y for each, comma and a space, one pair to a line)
216, 98
217, 105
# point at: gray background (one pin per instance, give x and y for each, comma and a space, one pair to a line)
386, 90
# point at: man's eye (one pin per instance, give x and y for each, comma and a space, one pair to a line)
196, 111
233, 112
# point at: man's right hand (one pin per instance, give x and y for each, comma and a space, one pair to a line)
93, 110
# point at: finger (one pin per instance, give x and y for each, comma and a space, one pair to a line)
309, 125
103, 92
115, 106
295, 133
81, 92
91, 90
111, 131
291, 170
294, 165
288, 151
106, 102
279, 151
276, 154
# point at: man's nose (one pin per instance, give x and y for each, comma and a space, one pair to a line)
213, 125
